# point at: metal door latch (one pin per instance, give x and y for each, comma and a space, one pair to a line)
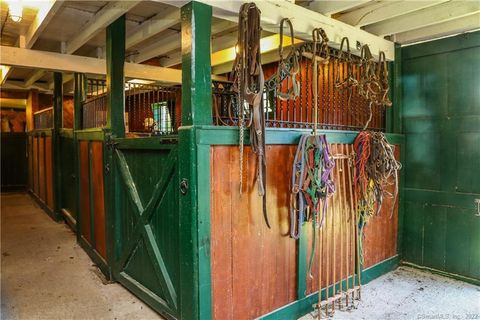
477, 201
184, 186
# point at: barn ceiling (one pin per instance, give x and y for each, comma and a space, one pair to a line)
153, 28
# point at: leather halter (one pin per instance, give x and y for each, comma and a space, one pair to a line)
248, 84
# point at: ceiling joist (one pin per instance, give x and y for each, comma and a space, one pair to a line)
451, 27
173, 42
425, 17
35, 59
383, 10
304, 21
42, 19
108, 14
160, 22
328, 8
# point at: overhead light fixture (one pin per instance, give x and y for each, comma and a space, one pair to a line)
15, 10
140, 81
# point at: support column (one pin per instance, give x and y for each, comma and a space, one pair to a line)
56, 150
115, 47
78, 98
195, 286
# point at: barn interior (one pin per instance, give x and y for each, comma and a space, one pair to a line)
277, 159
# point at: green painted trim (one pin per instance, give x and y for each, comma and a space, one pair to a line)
460, 42
78, 97
66, 133
303, 306
396, 96
196, 72
149, 143
55, 217
95, 257
195, 293
401, 201
218, 135
95, 134
204, 231
115, 47
443, 273
56, 146
140, 291
302, 266
91, 197
109, 201
39, 132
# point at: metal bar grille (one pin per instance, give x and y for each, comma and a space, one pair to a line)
94, 108
43, 119
152, 109
339, 108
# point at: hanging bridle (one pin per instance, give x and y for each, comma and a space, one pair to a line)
248, 83
288, 67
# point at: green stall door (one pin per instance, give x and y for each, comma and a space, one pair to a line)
441, 122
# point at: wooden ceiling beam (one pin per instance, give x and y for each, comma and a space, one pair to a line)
153, 26
331, 7
383, 10
42, 19
173, 42
425, 17
304, 21
108, 14
452, 27
52, 61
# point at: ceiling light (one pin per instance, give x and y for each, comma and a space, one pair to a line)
15, 10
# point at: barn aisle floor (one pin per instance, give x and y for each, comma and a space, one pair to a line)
46, 275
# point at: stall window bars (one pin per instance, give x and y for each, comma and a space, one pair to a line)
94, 108
151, 109
338, 108
43, 119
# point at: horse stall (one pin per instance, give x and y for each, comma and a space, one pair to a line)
226, 187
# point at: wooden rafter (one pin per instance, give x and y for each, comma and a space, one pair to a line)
383, 10
304, 21
425, 17
36, 59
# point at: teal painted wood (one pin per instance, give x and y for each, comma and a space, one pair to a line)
441, 116
146, 225
303, 306
196, 110
68, 176
302, 266
115, 53
96, 134
216, 135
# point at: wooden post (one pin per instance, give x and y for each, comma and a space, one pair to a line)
115, 48
56, 151
195, 286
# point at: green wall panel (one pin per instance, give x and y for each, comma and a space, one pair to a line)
441, 117
468, 155
68, 177
413, 232
434, 236
464, 83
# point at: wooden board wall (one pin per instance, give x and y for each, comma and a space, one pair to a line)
48, 173
98, 198
254, 269
40, 167
84, 168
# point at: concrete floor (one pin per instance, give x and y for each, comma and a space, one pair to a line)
408, 293
46, 275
